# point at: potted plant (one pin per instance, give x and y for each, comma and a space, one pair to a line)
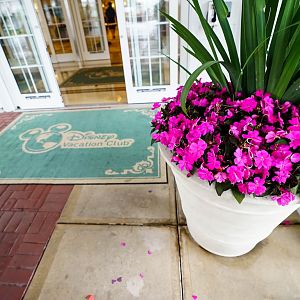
233, 143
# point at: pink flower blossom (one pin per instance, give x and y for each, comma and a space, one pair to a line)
243, 188
285, 106
284, 164
201, 102
281, 176
213, 163
257, 186
155, 105
205, 174
270, 137
285, 198
194, 134
248, 173
198, 148
259, 93
295, 122
282, 152
205, 128
221, 177
250, 141
295, 157
234, 174
263, 160
241, 159
253, 137
186, 163
294, 137
268, 128
267, 105
248, 104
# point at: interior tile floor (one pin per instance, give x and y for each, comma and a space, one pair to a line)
101, 94
128, 241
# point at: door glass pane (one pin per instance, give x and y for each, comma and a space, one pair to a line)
91, 23
54, 15
25, 79
19, 47
148, 40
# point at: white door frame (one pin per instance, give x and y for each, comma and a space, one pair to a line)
148, 93
86, 55
57, 58
5, 100
37, 100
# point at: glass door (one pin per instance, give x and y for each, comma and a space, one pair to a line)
57, 30
25, 63
91, 27
145, 37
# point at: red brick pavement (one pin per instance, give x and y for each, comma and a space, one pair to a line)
6, 118
28, 215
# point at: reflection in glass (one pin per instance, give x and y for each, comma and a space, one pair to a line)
62, 44
90, 17
54, 14
63, 33
148, 40
13, 20
29, 80
20, 50
145, 69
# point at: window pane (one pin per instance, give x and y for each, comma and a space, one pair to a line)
21, 51
12, 19
29, 80
148, 42
90, 17
165, 70
145, 72
63, 31
54, 14
37, 78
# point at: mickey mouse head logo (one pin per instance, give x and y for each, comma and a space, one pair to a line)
40, 141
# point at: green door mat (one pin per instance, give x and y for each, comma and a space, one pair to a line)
95, 76
80, 146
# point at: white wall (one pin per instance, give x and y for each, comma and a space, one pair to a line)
191, 20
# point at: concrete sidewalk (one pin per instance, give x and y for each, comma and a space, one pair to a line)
131, 242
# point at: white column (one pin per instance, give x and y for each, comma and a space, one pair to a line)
6, 102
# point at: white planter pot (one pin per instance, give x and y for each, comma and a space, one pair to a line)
220, 224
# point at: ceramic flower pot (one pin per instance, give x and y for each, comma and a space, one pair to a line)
220, 224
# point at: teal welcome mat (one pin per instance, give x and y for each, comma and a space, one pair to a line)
95, 76
80, 146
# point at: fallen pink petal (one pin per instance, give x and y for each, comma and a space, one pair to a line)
195, 297
123, 244
90, 297
117, 280
287, 222
149, 252
142, 275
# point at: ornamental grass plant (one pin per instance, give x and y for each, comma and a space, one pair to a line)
241, 131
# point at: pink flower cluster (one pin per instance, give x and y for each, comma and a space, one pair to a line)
250, 143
